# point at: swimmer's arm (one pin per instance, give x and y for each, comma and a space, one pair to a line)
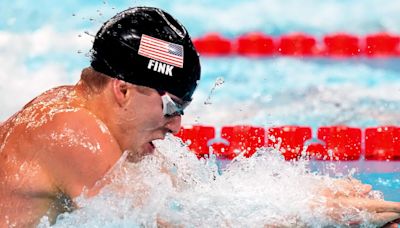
351, 193
392, 224
161, 223
79, 152
382, 212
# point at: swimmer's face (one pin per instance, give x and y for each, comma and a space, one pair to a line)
147, 121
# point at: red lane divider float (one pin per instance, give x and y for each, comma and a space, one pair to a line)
242, 139
333, 143
255, 44
382, 143
289, 139
197, 137
213, 44
342, 45
382, 44
300, 44
340, 143
297, 44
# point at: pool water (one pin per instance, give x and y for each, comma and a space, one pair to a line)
388, 183
35, 49
306, 91
263, 189
382, 175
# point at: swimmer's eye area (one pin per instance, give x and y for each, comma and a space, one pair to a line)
170, 107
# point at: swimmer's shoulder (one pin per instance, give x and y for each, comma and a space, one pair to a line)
50, 95
79, 125
34, 109
79, 150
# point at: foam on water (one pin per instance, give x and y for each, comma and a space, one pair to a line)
250, 192
174, 187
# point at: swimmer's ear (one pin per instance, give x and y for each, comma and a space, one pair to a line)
121, 91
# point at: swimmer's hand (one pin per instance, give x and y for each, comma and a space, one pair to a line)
392, 224
347, 211
345, 188
347, 198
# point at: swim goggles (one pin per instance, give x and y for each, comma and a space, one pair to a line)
171, 107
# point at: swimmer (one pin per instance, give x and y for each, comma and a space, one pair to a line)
143, 73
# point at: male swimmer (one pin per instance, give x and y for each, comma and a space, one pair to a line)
143, 72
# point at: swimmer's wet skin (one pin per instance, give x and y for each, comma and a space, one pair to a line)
143, 74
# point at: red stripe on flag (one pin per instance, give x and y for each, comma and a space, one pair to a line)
150, 51
160, 50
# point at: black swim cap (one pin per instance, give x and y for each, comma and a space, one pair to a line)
147, 46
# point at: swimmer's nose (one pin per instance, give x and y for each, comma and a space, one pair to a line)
174, 124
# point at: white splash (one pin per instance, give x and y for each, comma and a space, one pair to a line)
173, 187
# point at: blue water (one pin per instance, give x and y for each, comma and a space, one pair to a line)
388, 183
382, 175
230, 17
258, 91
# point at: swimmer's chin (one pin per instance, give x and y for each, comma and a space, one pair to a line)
146, 149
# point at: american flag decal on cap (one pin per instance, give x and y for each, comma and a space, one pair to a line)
161, 50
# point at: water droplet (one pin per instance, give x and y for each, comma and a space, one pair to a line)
219, 81
73, 15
